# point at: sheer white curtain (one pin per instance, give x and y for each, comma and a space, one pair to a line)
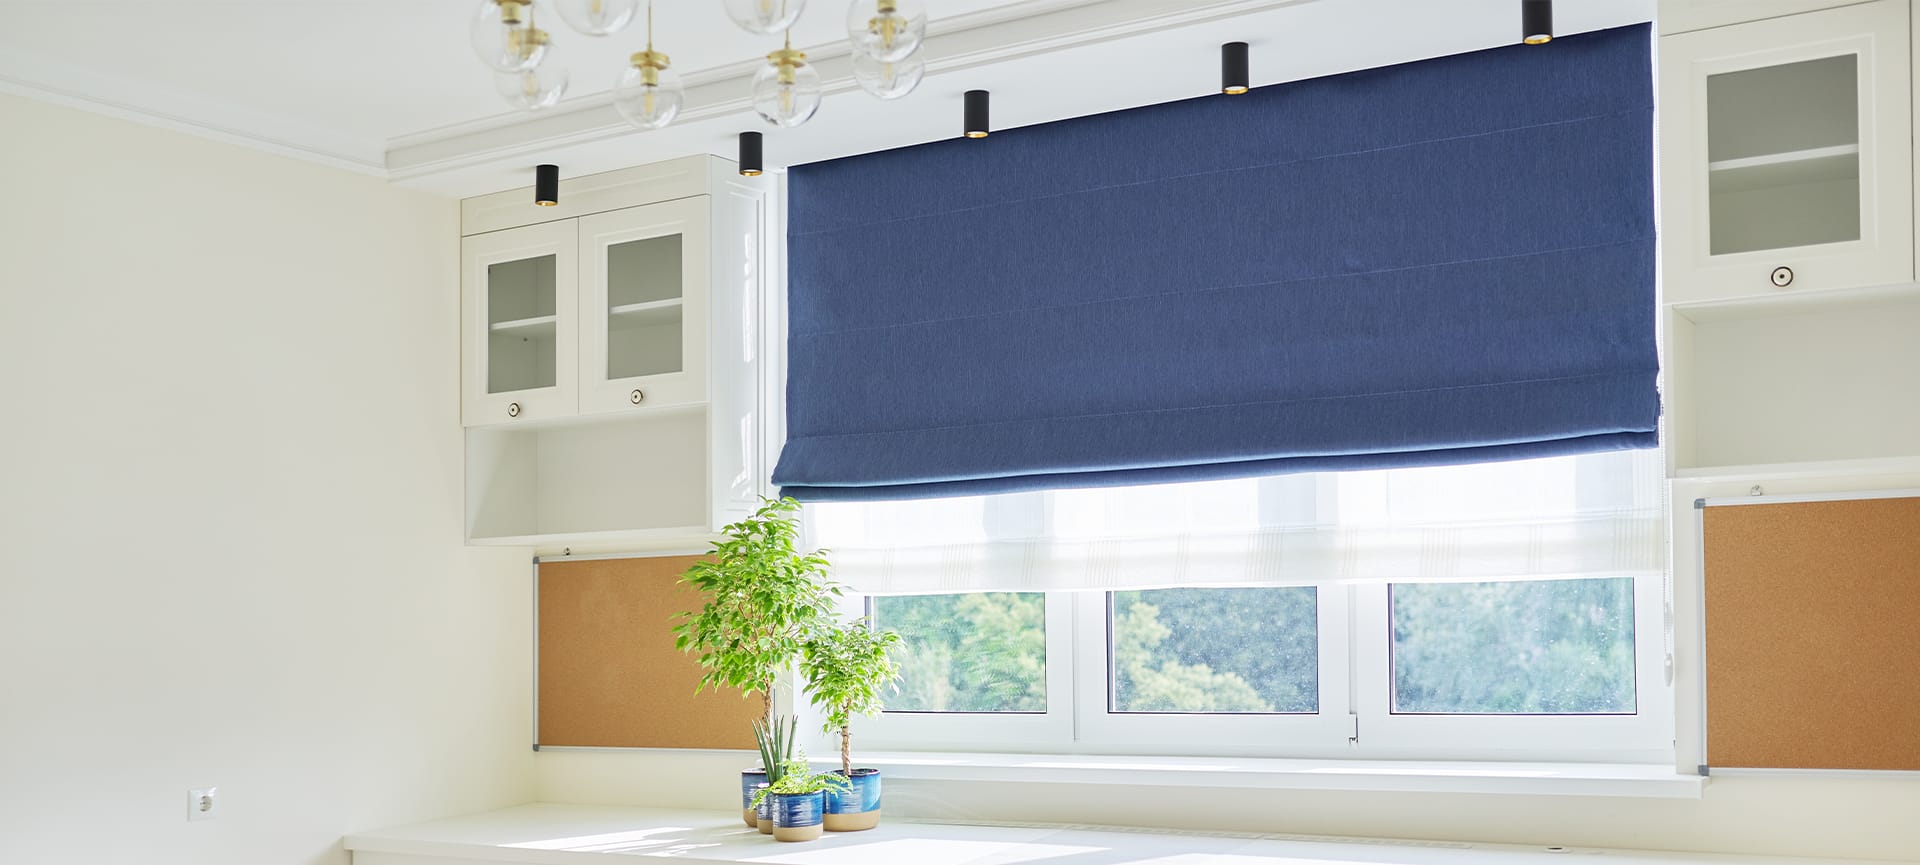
1565, 517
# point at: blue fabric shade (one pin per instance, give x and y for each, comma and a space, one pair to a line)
1439, 262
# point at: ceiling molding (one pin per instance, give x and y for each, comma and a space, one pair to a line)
962, 42
55, 82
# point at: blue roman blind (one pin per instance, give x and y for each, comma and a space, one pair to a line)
1438, 262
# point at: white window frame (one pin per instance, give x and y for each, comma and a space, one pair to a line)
973, 731
1643, 737
1322, 734
1354, 721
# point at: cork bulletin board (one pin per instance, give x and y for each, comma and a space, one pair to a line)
607, 672
1813, 633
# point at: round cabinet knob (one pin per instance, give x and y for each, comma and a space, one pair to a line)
637, 397
1782, 277
513, 409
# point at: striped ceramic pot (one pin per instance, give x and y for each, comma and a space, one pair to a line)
750, 780
858, 806
797, 816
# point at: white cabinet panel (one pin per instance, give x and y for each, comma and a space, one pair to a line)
1679, 16
643, 299
1786, 155
518, 306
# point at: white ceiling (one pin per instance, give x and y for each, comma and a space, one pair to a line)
391, 86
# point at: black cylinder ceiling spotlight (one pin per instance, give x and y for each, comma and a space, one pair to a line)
1233, 68
546, 185
977, 114
1536, 21
752, 158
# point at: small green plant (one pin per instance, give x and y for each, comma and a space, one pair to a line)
848, 668
764, 600
776, 743
799, 778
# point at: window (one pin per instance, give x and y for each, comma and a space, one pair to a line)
1502, 611
979, 652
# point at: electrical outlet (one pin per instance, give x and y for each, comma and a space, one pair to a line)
203, 803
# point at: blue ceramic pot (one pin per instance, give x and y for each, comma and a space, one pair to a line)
858, 806
797, 816
750, 780
763, 812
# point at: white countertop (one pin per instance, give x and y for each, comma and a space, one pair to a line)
586, 834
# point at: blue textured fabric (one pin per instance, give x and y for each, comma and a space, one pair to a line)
1439, 262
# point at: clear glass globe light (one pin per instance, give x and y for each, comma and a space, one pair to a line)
786, 103
597, 17
887, 30
649, 105
532, 89
505, 36
764, 17
888, 80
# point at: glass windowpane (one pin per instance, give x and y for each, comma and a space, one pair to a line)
982, 652
1214, 651
1545, 647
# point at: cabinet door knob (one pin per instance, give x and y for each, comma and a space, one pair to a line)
513, 409
1782, 276
637, 397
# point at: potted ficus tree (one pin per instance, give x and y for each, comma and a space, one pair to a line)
848, 668
764, 599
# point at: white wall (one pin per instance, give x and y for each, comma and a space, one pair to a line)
230, 483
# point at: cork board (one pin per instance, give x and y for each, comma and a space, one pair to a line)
1813, 634
608, 675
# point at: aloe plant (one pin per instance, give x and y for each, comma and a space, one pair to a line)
776, 747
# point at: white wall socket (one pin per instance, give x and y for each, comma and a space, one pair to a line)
203, 803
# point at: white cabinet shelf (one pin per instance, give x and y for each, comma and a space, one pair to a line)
651, 313
539, 325
1798, 389
1815, 165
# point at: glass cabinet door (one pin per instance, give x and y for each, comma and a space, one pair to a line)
643, 299
1787, 154
520, 294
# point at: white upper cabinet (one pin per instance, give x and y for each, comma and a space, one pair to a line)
1787, 159
518, 306
1679, 16
613, 388
643, 306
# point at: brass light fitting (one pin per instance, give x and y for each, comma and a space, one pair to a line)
512, 12
787, 60
649, 62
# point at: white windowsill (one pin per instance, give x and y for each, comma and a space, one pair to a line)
1392, 776
548, 834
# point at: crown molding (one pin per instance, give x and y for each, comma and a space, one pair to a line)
60, 83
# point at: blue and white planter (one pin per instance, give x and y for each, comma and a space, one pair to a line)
750, 780
857, 807
763, 813
797, 816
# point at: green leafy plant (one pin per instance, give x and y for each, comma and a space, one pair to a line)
764, 600
776, 743
798, 778
848, 668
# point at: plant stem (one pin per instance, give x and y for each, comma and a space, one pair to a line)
846, 752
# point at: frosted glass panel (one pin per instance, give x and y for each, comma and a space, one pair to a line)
1783, 146
644, 315
521, 354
